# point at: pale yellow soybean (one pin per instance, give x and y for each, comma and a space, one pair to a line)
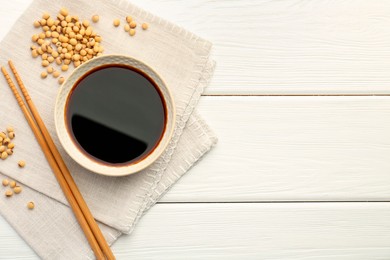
67, 62
9, 151
98, 38
117, 22
12, 184
56, 74
129, 19
11, 135
11, 146
2, 148
37, 24
6, 141
17, 189
45, 63
60, 17
88, 31
61, 80
45, 15
127, 27
5, 182
72, 35
43, 74
78, 47
42, 22
82, 31
58, 61
132, 32
50, 70
64, 67
145, 26
55, 34
50, 59
73, 41
95, 18
91, 42
42, 35
44, 48
3, 135
133, 24
76, 57
65, 39
8, 193
50, 22
30, 205
21, 163
34, 53
35, 37
64, 11
68, 18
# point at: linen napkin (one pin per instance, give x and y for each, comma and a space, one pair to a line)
179, 56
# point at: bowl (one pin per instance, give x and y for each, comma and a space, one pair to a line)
67, 140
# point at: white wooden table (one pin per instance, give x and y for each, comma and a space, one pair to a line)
300, 103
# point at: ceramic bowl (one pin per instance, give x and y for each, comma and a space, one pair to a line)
67, 140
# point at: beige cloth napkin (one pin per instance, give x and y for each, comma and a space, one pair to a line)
180, 57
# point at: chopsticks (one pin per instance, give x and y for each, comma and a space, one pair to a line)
80, 209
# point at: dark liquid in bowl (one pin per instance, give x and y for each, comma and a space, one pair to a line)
116, 114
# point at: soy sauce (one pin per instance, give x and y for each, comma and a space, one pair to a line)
116, 114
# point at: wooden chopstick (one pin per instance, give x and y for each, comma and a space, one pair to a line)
68, 177
57, 172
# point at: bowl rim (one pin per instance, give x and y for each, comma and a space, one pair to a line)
126, 168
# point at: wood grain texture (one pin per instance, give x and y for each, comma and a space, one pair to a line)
292, 149
290, 47
250, 231
275, 148
281, 47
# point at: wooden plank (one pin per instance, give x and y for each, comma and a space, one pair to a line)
281, 47
249, 231
290, 47
292, 149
